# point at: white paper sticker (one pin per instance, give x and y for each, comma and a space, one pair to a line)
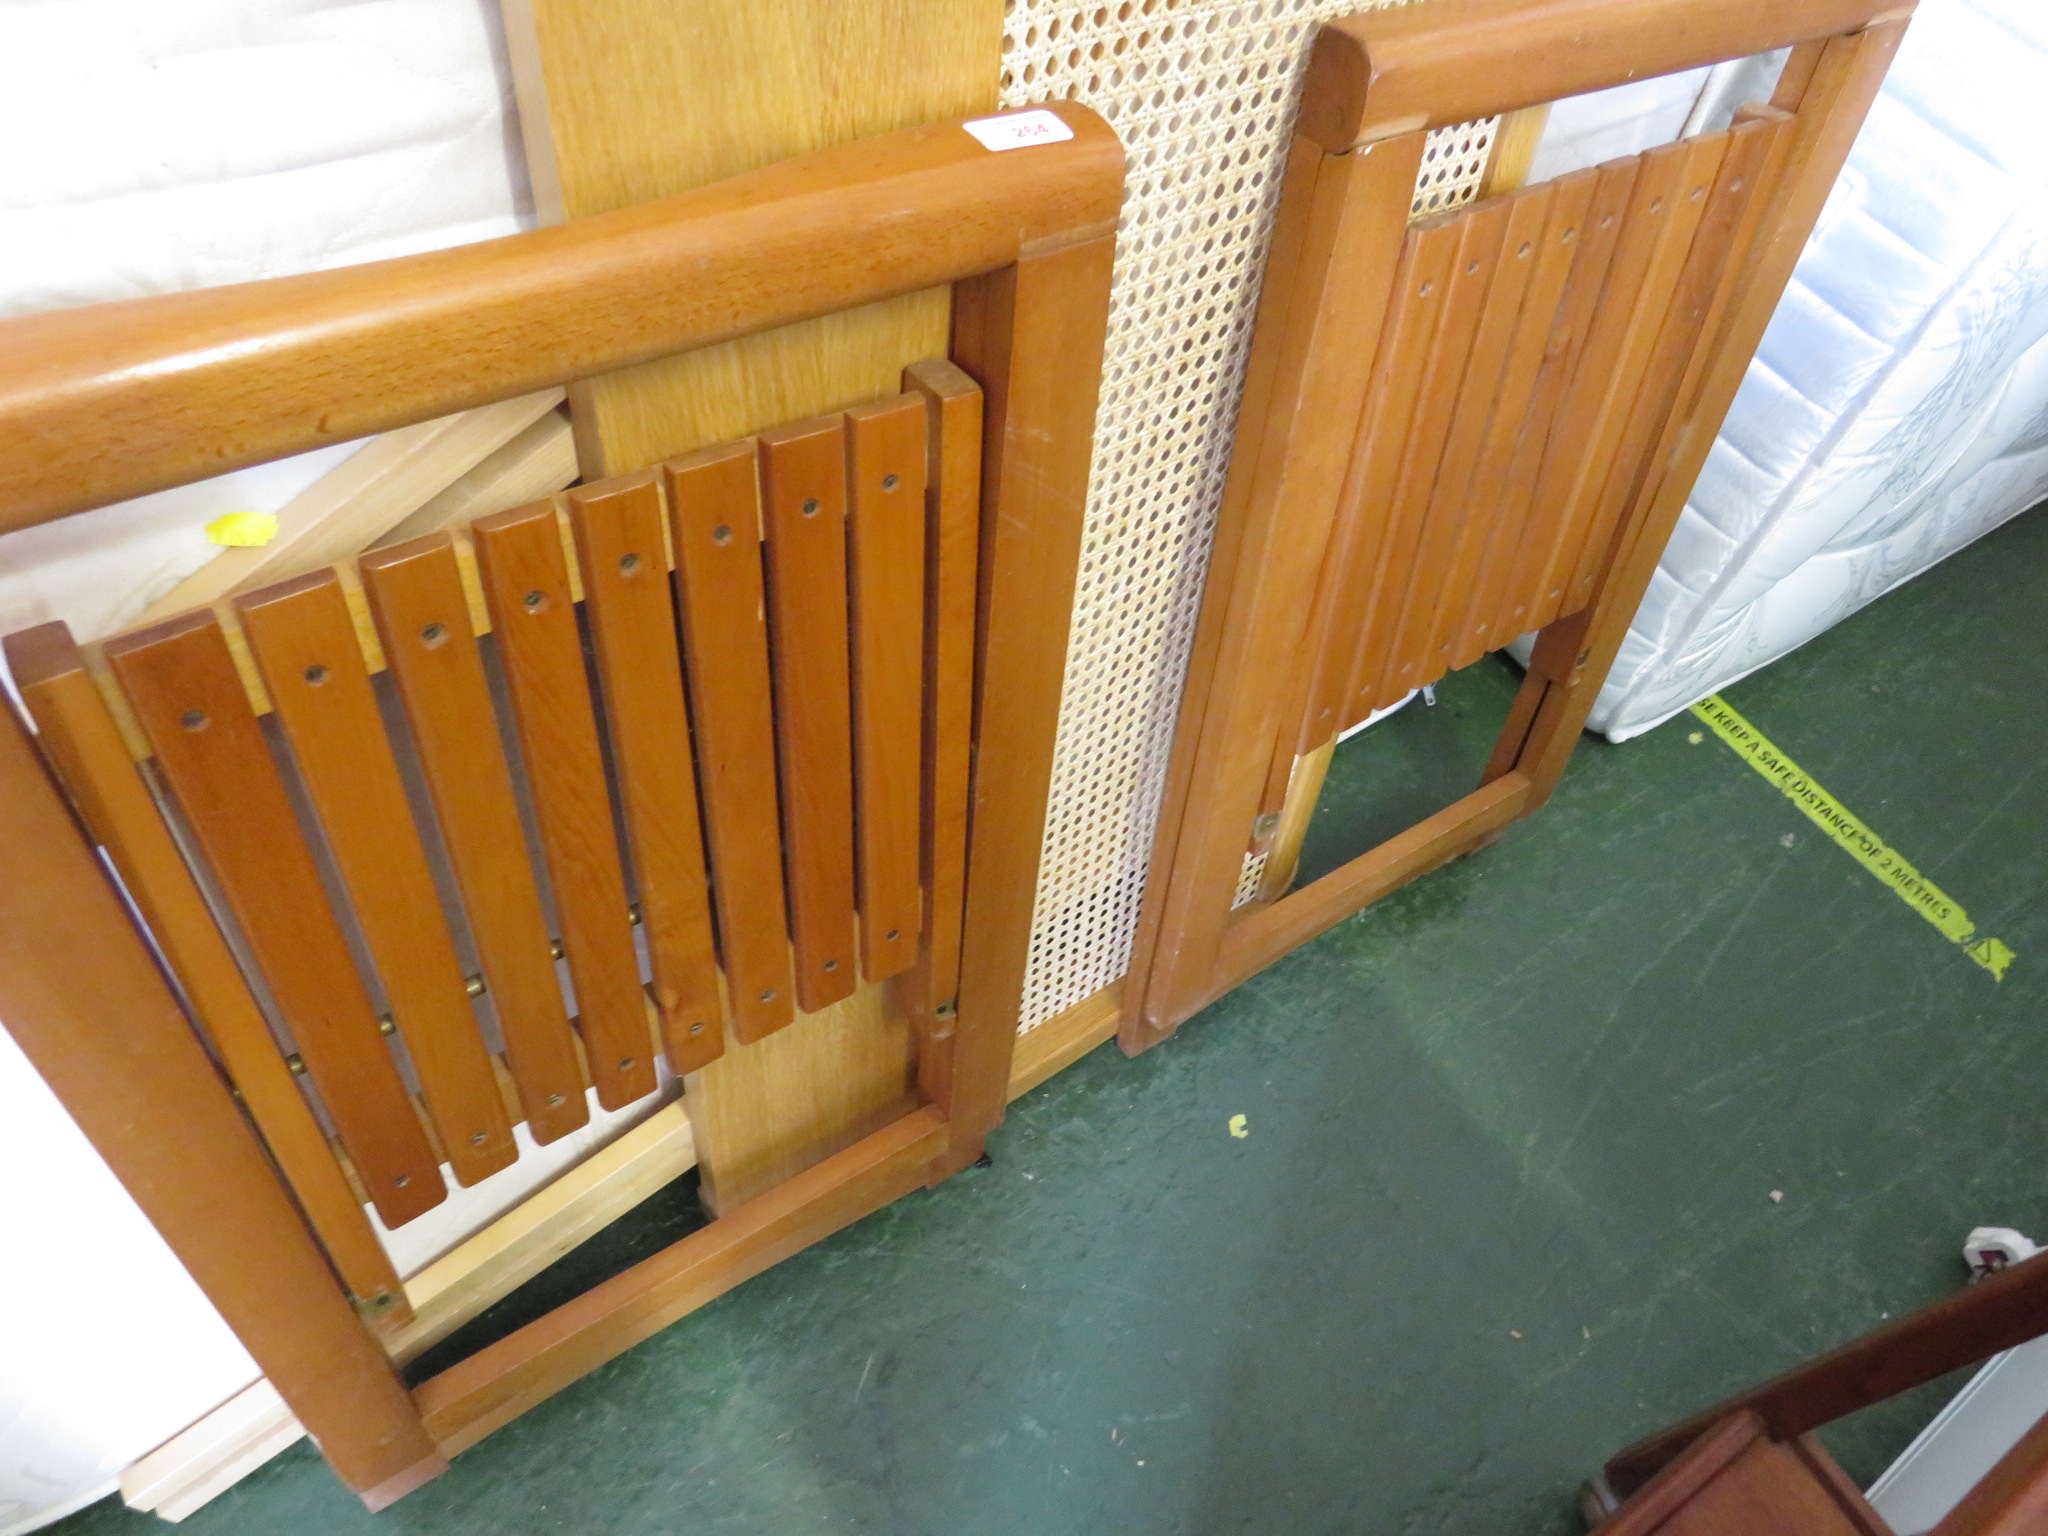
1020, 130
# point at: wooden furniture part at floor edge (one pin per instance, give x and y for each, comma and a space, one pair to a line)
1376, 81
197, 383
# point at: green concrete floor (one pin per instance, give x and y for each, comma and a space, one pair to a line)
1505, 1199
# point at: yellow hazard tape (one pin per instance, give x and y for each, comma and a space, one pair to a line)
1861, 844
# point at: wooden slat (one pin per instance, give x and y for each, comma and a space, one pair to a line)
1727, 191
1478, 628
182, 684
75, 729
1352, 569
1533, 515
622, 547
1635, 406
1504, 232
952, 534
1452, 265
1655, 233
885, 524
423, 620
533, 618
84, 999
716, 522
1490, 417
803, 508
305, 643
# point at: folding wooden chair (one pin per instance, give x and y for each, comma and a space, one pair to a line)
400, 831
1478, 426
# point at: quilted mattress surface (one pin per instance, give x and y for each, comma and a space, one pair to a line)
1898, 407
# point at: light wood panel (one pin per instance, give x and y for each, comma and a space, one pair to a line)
622, 101
885, 527
540, 461
533, 619
211, 749
305, 642
415, 591
623, 545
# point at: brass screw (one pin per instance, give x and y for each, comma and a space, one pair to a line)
633, 914
554, 1100
387, 1025
831, 965
697, 1028
945, 1010
296, 1063
193, 720
402, 1180
625, 1063
629, 564
890, 482
433, 634
535, 600
894, 934
810, 506
721, 534
474, 986
555, 948
478, 1139
316, 674
768, 996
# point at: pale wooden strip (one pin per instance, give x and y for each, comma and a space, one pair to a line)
373, 489
540, 461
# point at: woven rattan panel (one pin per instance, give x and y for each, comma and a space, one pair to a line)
1203, 94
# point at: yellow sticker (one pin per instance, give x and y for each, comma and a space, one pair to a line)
243, 530
1861, 844
1238, 1128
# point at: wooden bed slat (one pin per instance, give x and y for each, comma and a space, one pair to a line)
952, 538
1478, 626
1401, 468
526, 583
622, 547
803, 507
423, 621
75, 729
1497, 393
716, 520
305, 643
189, 701
885, 524
1463, 371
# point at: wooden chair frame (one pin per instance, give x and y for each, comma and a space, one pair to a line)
117, 400
1376, 83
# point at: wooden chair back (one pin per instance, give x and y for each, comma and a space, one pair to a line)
1459, 430
463, 832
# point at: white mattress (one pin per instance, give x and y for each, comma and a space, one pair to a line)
1898, 407
159, 145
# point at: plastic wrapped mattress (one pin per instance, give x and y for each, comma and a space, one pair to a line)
1898, 407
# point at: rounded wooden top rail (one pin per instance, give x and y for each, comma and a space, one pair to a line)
115, 400
1387, 72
